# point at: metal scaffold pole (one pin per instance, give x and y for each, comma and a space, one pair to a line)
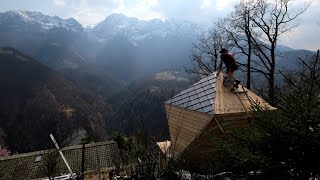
61, 154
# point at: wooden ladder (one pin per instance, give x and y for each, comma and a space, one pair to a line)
241, 99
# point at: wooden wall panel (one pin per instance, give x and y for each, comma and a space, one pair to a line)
184, 126
188, 123
180, 112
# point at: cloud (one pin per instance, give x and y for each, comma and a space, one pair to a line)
205, 4
143, 9
91, 12
221, 4
302, 37
225, 5
153, 2
305, 35
59, 2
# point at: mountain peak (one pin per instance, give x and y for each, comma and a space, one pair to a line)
117, 15
30, 13
118, 18
136, 29
26, 15
20, 17
123, 17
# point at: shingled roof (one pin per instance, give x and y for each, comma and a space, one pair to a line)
209, 97
196, 112
199, 97
30, 165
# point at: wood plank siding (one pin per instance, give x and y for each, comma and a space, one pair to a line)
184, 125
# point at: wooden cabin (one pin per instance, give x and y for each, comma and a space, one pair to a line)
200, 112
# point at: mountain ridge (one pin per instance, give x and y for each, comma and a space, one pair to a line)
139, 30
121, 24
46, 21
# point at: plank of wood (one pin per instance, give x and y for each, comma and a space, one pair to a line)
189, 119
182, 132
170, 108
189, 123
185, 129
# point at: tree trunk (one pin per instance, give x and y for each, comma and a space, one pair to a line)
271, 92
249, 71
215, 59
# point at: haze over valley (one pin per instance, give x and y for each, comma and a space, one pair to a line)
58, 76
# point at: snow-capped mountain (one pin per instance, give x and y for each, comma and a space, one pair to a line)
27, 19
123, 46
58, 43
133, 47
138, 30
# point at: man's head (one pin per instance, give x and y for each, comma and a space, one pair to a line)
223, 50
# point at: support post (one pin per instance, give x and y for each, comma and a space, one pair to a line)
61, 154
82, 162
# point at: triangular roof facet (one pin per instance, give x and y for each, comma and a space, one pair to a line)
199, 97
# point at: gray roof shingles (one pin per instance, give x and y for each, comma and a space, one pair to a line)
199, 97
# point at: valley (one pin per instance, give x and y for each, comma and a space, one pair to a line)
58, 77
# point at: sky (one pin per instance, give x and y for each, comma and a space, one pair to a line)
91, 12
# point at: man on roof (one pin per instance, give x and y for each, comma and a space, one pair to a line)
231, 65
229, 61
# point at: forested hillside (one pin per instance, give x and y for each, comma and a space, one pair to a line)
139, 109
36, 101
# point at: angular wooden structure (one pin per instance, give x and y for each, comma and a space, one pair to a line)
194, 116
